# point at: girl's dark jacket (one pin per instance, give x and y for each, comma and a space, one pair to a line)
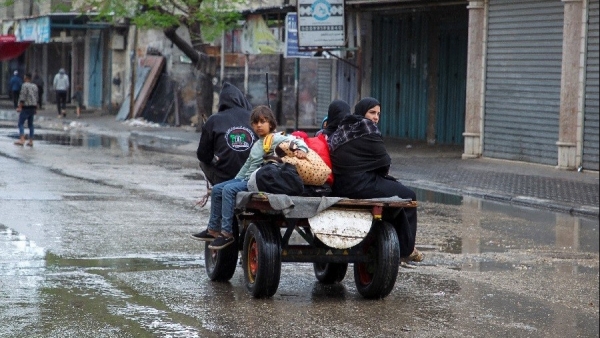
227, 136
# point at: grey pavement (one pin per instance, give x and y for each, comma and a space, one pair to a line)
436, 168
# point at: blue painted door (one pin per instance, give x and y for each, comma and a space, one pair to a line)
403, 50
94, 85
452, 84
399, 78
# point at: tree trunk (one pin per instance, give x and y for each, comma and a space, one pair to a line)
205, 68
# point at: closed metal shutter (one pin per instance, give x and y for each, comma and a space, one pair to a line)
324, 87
399, 74
522, 93
346, 82
590, 122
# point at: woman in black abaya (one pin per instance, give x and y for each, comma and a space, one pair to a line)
361, 165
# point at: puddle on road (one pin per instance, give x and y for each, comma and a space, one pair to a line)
437, 197
85, 140
88, 140
137, 263
516, 227
17, 252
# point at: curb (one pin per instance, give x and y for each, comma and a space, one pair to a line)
506, 198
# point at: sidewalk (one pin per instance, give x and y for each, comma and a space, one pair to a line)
436, 168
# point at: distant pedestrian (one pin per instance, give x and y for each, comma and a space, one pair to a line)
28, 98
61, 86
39, 82
78, 97
15, 87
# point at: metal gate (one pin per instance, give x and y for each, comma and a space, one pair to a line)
452, 84
590, 123
95, 70
399, 78
323, 90
346, 81
522, 92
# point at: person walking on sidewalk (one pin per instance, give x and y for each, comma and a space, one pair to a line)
15, 87
28, 98
61, 85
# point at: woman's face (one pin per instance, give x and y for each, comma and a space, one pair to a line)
373, 114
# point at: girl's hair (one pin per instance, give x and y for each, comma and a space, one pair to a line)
264, 112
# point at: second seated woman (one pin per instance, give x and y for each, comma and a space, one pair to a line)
361, 166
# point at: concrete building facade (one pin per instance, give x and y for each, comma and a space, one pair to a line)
507, 79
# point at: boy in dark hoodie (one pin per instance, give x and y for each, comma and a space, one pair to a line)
227, 137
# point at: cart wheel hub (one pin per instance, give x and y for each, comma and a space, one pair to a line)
253, 259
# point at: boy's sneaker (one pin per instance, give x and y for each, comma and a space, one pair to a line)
204, 236
221, 242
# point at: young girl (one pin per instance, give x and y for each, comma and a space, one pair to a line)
220, 224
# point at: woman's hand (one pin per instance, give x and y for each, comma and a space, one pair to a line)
299, 153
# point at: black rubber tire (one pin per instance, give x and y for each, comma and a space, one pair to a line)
376, 278
329, 273
221, 264
261, 259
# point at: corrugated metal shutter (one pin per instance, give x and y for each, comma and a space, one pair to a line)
590, 123
522, 94
451, 96
346, 82
324, 87
399, 74
95, 70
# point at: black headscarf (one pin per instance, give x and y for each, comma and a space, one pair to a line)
363, 106
338, 109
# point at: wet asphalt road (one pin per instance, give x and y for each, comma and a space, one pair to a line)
94, 242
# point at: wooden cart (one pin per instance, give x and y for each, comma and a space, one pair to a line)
336, 232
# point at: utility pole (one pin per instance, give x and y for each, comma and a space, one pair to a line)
133, 74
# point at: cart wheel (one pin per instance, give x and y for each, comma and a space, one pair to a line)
329, 273
376, 278
261, 259
221, 264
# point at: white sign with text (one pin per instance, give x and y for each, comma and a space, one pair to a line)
321, 23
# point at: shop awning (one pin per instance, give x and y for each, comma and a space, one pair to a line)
10, 48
